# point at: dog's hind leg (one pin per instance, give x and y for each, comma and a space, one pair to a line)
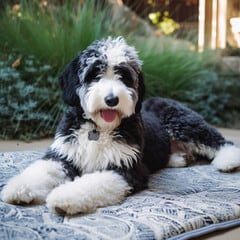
192, 136
227, 158
224, 155
189, 142
34, 183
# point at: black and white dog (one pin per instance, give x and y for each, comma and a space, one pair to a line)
108, 142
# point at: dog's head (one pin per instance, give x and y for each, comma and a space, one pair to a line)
106, 81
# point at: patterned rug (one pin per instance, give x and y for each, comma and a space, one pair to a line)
179, 204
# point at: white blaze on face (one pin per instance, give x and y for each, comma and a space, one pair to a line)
113, 52
94, 105
116, 55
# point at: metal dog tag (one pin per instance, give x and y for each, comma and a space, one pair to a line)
93, 135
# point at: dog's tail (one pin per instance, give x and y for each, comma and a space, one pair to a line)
227, 158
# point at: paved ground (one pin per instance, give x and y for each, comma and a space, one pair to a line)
16, 145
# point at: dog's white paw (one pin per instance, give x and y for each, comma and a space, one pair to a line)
34, 183
87, 193
65, 199
17, 191
227, 158
177, 160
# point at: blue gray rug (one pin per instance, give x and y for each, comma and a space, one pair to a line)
181, 203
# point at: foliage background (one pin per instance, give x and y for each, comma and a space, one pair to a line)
39, 38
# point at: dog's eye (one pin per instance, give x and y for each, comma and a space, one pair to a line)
131, 83
127, 74
93, 71
90, 75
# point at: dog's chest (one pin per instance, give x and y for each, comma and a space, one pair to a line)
92, 150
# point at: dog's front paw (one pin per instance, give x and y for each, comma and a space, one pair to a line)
86, 194
34, 183
66, 200
17, 191
227, 158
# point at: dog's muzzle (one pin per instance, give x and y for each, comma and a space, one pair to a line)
109, 115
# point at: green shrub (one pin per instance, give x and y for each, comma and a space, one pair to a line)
210, 98
218, 100
56, 33
29, 103
171, 68
45, 39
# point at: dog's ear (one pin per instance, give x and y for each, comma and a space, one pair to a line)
69, 82
136, 65
141, 92
132, 70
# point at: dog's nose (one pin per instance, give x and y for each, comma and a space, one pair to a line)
111, 100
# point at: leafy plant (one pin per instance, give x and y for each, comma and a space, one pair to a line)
171, 68
53, 33
37, 41
29, 102
209, 98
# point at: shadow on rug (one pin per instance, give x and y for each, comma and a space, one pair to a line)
187, 201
